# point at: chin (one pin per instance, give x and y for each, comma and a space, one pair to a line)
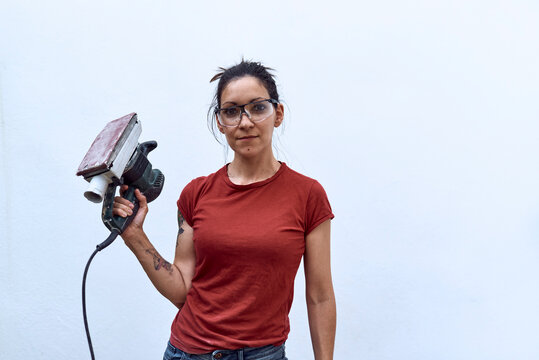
250, 150
247, 152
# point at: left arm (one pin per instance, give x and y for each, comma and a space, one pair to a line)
319, 291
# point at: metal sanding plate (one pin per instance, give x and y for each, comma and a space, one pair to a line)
106, 146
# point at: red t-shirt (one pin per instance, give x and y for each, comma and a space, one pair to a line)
249, 240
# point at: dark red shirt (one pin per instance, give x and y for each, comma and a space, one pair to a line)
249, 240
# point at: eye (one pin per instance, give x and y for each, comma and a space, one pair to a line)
261, 107
230, 112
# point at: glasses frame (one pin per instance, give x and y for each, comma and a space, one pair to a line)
243, 111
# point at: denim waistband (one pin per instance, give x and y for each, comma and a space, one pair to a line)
268, 352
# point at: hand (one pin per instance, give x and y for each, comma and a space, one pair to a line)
123, 207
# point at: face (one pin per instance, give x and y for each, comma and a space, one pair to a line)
249, 139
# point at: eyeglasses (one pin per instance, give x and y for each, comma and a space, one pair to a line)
256, 111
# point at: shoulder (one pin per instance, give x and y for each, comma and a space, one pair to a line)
307, 188
317, 208
306, 183
192, 192
196, 187
198, 184
292, 174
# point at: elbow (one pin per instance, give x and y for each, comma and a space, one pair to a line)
179, 305
320, 297
318, 300
178, 301
177, 298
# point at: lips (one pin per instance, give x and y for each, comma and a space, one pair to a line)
247, 137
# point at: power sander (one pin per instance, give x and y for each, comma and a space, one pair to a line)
116, 158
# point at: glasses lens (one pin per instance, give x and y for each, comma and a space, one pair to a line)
256, 111
259, 110
229, 116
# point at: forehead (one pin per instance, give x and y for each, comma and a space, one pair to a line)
243, 90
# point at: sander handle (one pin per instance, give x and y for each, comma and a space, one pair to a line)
147, 146
114, 222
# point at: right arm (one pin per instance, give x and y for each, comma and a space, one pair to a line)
173, 281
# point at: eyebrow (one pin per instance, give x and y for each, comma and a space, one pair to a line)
236, 104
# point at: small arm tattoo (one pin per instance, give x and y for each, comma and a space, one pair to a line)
158, 262
180, 223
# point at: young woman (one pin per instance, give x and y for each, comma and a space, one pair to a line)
242, 233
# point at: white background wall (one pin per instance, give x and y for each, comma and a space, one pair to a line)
420, 118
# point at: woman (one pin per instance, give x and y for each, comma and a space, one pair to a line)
242, 233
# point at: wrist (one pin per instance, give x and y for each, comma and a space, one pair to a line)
135, 239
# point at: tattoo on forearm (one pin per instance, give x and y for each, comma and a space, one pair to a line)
158, 262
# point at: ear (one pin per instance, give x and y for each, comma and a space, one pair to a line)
279, 111
221, 129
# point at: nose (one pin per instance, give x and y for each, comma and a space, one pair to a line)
248, 122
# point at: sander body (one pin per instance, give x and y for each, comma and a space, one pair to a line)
116, 158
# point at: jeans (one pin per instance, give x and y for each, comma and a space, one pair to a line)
268, 352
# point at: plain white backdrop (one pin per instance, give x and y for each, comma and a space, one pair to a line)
420, 119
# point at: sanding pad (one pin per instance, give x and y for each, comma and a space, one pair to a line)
106, 146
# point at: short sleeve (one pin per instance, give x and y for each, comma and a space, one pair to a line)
186, 203
318, 208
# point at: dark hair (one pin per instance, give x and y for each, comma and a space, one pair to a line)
244, 68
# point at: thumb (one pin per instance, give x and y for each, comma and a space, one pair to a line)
143, 203
138, 220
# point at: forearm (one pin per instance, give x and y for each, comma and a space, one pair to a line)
322, 323
166, 277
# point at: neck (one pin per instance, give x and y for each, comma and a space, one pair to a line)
244, 171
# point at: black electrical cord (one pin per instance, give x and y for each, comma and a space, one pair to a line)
99, 247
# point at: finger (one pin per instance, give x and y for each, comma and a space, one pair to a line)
141, 199
123, 201
122, 212
123, 188
121, 208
